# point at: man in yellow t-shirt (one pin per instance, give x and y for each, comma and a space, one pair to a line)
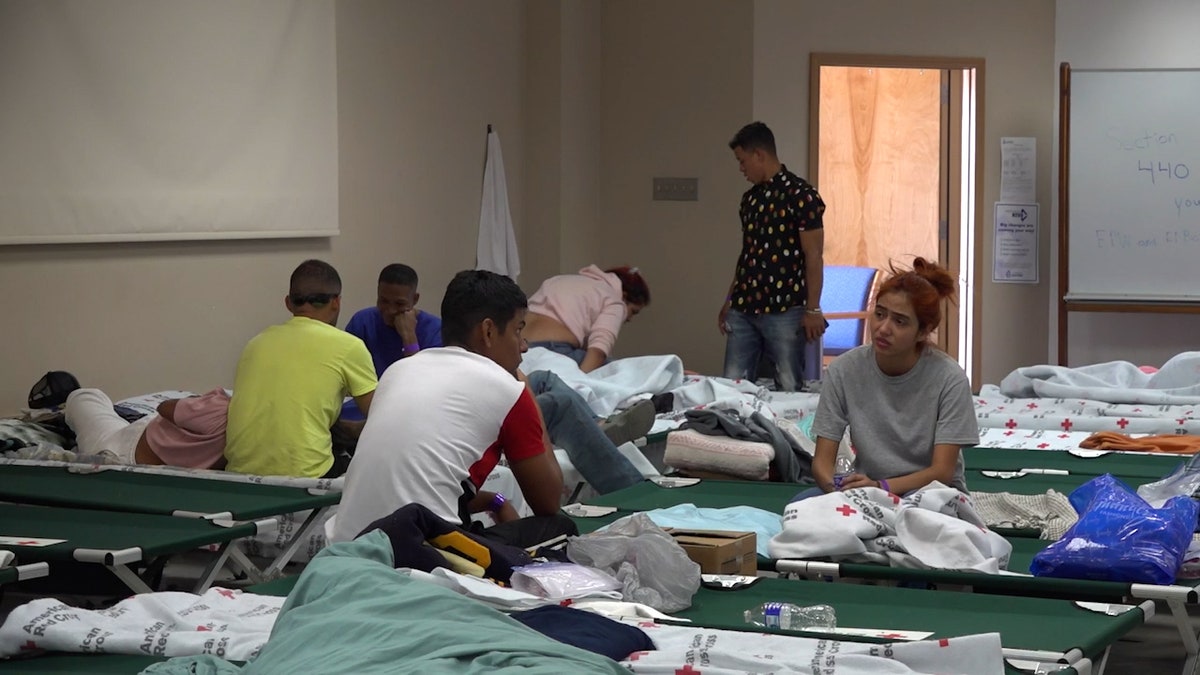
290, 383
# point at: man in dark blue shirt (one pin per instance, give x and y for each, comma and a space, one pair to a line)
394, 328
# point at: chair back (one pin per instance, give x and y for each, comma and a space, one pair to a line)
846, 300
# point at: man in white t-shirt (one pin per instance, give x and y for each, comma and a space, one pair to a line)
442, 419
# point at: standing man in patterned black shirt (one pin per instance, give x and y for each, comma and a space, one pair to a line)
774, 302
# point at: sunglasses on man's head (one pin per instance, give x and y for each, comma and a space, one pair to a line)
314, 299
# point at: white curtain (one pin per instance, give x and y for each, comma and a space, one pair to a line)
130, 120
497, 249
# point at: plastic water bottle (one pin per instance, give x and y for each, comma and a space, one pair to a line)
786, 616
843, 466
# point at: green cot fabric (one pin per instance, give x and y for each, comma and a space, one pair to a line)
7, 575
712, 494
1023, 623
108, 531
350, 612
1143, 465
152, 493
1036, 484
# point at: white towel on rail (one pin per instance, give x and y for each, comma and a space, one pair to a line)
497, 249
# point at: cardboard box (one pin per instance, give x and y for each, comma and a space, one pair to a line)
719, 551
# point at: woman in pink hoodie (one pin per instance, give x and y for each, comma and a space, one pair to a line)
580, 315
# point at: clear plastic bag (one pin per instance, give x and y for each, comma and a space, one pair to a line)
1184, 480
559, 581
1120, 537
652, 568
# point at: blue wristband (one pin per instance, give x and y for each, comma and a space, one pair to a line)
884, 484
498, 503
412, 349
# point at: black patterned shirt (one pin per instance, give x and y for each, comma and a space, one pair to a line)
770, 271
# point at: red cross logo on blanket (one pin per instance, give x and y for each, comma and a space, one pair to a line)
28, 646
892, 636
1064, 435
1181, 421
1122, 422
637, 655
647, 624
1066, 424
226, 593
1031, 405
202, 628
27, 543
1043, 446
1011, 424
845, 510
687, 670
943, 642
1010, 432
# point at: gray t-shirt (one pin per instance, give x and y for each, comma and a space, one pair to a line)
896, 421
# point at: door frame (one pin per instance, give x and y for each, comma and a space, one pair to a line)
949, 192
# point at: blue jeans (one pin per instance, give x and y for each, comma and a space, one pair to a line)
576, 354
572, 427
778, 335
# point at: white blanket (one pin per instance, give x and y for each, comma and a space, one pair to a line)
228, 623
613, 385
1177, 382
721, 652
936, 528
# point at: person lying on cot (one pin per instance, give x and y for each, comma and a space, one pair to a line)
187, 432
580, 315
908, 403
389, 331
290, 383
442, 420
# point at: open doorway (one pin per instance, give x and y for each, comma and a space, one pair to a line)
893, 150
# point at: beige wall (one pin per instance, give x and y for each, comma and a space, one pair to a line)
1017, 40
592, 99
676, 85
417, 83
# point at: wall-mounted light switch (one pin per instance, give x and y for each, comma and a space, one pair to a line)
677, 189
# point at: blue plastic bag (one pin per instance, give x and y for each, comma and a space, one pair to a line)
1120, 537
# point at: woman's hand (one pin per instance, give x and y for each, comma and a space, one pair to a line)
857, 480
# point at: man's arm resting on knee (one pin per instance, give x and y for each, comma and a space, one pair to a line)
540, 478
530, 455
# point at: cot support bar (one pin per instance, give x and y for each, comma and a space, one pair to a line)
133, 581
809, 568
1190, 644
238, 557
1043, 656
214, 566
276, 566
32, 571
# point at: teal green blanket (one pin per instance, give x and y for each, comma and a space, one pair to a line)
350, 612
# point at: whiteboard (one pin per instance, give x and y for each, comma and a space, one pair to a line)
1134, 182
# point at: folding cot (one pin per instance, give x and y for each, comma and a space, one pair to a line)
774, 496
1051, 631
1037, 629
1123, 464
88, 487
117, 539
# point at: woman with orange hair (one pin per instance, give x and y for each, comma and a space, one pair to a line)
580, 315
907, 403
